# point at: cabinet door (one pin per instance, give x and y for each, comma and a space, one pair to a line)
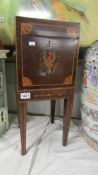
46, 53
47, 61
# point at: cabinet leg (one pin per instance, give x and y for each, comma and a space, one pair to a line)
52, 110
22, 124
67, 115
18, 114
17, 102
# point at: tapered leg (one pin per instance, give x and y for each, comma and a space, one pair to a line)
18, 114
17, 102
67, 115
22, 123
52, 110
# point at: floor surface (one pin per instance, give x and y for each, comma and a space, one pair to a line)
45, 153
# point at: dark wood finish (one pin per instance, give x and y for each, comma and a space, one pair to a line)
22, 124
52, 110
47, 53
68, 102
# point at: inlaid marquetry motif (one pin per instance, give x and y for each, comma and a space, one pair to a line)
26, 28
68, 80
48, 60
71, 32
26, 81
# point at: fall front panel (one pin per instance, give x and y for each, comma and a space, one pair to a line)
47, 61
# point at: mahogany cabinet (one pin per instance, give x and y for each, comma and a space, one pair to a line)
46, 62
